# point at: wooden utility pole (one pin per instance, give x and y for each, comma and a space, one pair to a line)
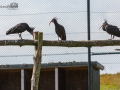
37, 61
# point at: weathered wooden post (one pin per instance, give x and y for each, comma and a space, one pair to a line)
37, 61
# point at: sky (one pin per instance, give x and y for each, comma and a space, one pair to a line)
72, 14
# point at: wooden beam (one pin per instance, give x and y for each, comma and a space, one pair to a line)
18, 42
82, 43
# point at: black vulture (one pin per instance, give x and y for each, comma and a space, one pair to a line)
59, 29
19, 28
111, 29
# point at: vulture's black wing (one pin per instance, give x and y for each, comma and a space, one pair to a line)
13, 30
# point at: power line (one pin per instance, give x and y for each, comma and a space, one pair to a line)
59, 12
107, 12
5, 56
43, 54
44, 13
104, 53
112, 63
55, 33
55, 54
15, 55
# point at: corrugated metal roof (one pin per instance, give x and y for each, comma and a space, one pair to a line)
95, 64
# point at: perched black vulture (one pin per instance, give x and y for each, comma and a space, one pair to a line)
111, 29
59, 29
19, 28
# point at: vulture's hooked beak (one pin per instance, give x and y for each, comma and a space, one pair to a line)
32, 34
50, 22
100, 27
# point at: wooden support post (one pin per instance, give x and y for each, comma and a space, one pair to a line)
37, 61
22, 79
56, 78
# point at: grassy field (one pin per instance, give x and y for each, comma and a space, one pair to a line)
110, 81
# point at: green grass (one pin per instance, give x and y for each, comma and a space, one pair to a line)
109, 87
110, 81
